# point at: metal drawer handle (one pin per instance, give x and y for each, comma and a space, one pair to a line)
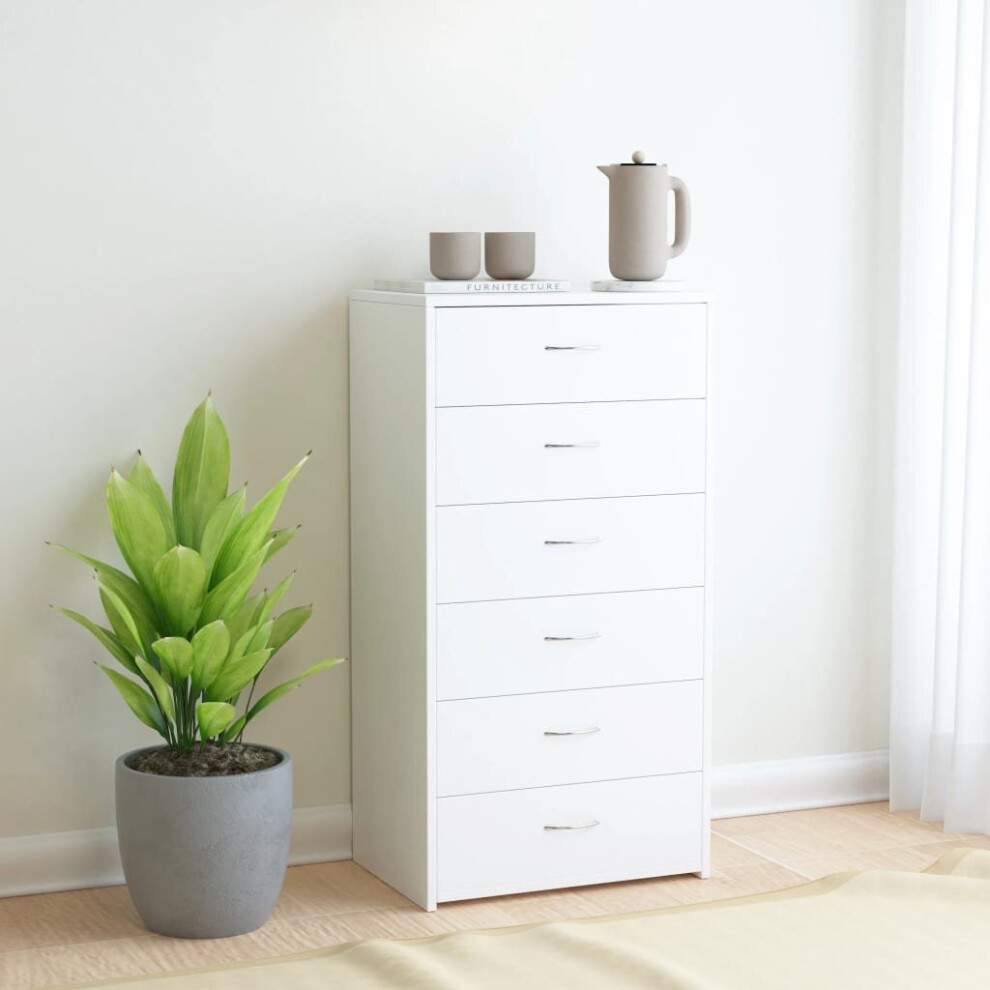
590, 731
571, 828
566, 639
573, 347
587, 444
570, 543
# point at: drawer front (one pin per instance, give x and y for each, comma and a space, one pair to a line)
489, 844
569, 450
522, 354
584, 546
580, 641
568, 737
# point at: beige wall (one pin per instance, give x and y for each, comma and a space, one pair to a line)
190, 188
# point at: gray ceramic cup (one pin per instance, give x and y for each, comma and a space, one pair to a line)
510, 254
455, 255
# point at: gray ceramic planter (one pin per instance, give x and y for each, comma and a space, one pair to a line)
204, 857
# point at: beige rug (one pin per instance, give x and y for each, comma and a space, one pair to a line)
874, 929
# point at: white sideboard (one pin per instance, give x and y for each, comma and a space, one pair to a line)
531, 549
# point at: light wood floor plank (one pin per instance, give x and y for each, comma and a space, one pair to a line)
37, 920
801, 835
894, 858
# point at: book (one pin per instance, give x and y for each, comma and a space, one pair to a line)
474, 286
657, 285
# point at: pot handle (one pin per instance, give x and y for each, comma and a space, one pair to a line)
682, 216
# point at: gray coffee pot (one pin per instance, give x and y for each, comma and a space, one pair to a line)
637, 218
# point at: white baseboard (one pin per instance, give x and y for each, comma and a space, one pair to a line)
791, 785
34, 864
321, 834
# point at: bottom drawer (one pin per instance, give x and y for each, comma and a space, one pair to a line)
547, 837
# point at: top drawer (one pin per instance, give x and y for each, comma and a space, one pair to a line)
517, 354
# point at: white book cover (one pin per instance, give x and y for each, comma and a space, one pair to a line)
658, 285
480, 285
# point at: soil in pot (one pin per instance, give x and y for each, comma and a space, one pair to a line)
208, 760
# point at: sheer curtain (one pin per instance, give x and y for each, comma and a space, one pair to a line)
940, 679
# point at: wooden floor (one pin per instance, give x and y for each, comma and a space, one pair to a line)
59, 939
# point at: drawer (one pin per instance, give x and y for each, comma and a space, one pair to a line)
490, 844
520, 354
579, 641
568, 737
569, 450
583, 546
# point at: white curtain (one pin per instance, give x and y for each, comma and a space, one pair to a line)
940, 680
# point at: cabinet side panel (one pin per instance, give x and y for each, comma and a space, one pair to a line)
391, 595
712, 395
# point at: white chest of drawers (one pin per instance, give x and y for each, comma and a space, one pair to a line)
531, 589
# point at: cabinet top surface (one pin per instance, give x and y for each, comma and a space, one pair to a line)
441, 300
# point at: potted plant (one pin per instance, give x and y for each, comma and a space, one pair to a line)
203, 820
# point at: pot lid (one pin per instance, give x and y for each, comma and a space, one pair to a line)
637, 159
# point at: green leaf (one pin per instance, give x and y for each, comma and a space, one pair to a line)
260, 636
288, 624
276, 692
210, 646
228, 596
253, 530
238, 726
136, 527
138, 700
160, 688
202, 472
176, 655
144, 480
98, 565
213, 718
180, 585
279, 539
253, 640
130, 593
222, 522
246, 617
236, 676
240, 647
273, 598
105, 636
121, 619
